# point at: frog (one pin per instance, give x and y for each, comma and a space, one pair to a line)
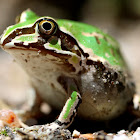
73, 66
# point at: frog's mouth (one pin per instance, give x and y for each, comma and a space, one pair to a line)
38, 48
41, 50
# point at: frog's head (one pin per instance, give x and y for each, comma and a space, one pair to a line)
40, 35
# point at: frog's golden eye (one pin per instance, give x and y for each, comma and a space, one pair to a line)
47, 27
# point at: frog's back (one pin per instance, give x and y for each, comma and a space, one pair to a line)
107, 91
100, 43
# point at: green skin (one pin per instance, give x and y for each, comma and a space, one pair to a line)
92, 41
107, 43
70, 104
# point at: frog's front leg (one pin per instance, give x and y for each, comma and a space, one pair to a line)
65, 118
57, 128
69, 110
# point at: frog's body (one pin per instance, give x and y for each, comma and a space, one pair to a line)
75, 57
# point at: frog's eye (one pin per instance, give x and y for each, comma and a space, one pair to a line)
47, 27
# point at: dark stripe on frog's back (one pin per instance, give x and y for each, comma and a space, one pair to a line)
103, 47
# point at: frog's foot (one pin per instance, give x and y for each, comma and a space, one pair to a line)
48, 131
135, 108
56, 130
136, 102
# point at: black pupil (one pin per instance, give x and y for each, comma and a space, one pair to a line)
47, 26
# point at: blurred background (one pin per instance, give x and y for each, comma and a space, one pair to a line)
119, 18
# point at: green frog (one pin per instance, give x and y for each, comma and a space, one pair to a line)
73, 66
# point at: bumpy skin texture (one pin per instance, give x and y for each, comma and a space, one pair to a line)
101, 76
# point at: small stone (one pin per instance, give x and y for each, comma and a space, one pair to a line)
76, 134
86, 136
136, 135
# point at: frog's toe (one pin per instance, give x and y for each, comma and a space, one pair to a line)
136, 102
135, 107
